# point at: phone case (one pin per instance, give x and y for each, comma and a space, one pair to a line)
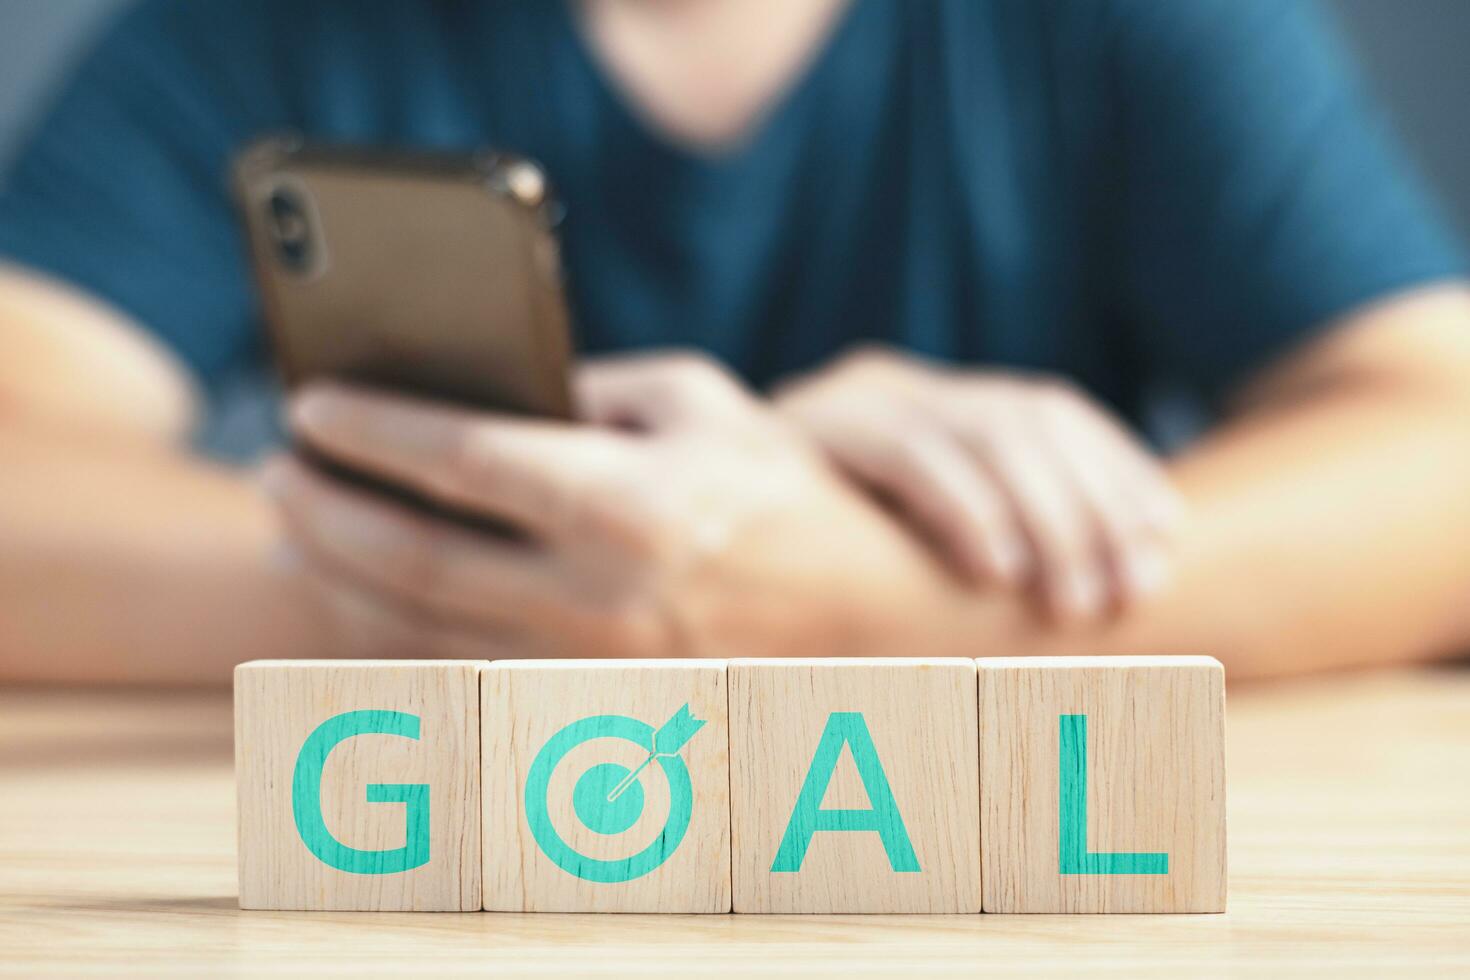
431, 274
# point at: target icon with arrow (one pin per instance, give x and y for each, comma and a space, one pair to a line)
608, 798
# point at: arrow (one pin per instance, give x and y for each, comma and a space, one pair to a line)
667, 742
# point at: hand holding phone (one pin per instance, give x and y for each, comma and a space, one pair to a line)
430, 275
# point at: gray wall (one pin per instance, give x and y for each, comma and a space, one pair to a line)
39, 40
1414, 51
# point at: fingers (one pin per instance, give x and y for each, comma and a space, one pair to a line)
525, 596
529, 472
1057, 528
658, 392
1014, 479
1138, 472
1097, 509
1126, 534
961, 506
365, 625
426, 565
950, 501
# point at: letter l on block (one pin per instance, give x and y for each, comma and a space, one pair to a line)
1073, 857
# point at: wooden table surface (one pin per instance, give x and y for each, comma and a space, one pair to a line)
1349, 810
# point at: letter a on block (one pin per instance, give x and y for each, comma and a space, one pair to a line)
1081, 757
882, 817
809, 739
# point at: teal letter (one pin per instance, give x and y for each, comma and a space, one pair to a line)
306, 796
845, 728
1073, 856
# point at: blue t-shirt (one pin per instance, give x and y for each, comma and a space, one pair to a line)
1142, 195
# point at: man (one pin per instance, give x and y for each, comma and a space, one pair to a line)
1019, 200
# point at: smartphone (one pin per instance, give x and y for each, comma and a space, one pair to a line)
435, 275
430, 274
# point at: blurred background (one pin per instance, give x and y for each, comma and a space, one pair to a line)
1412, 50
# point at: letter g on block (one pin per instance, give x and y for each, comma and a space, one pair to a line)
306, 796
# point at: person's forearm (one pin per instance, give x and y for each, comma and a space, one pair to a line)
1333, 531
68, 360
1332, 535
131, 562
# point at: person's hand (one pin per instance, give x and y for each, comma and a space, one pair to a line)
1011, 478
688, 519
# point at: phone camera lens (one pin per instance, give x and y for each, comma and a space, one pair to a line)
290, 228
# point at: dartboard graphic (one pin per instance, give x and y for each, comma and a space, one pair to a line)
608, 798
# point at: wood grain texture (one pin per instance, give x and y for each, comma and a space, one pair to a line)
525, 704
1349, 857
1154, 737
921, 718
279, 704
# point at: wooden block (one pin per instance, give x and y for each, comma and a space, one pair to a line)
358, 784
854, 786
1102, 784
579, 815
